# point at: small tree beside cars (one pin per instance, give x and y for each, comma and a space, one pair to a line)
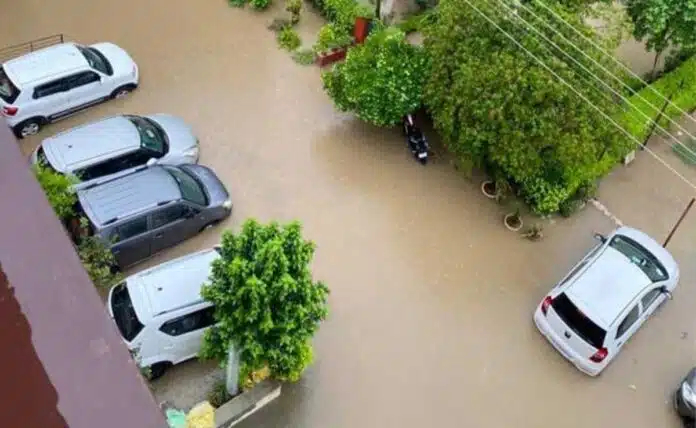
267, 306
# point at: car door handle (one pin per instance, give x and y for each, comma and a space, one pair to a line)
159, 235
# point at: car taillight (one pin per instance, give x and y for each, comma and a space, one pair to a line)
599, 356
9, 110
546, 304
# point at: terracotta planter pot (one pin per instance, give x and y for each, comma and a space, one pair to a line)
513, 222
334, 55
489, 190
361, 29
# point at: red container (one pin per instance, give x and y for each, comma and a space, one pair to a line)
360, 29
330, 57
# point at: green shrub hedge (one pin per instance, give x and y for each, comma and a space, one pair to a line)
667, 85
342, 13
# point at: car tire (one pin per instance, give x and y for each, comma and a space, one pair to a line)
157, 370
28, 127
122, 91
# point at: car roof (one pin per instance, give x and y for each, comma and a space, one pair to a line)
34, 67
89, 144
172, 285
124, 195
611, 281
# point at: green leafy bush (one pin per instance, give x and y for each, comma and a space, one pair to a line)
218, 394
294, 8
684, 98
381, 80
304, 56
98, 261
569, 207
543, 197
412, 23
260, 4
331, 36
342, 13
686, 154
237, 3
267, 306
57, 189
288, 39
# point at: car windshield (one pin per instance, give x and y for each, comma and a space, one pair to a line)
96, 59
584, 327
152, 137
8, 90
640, 257
191, 189
124, 315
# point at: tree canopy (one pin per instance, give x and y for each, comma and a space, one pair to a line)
381, 80
664, 23
497, 108
266, 304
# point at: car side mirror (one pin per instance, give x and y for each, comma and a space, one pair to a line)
601, 238
151, 162
666, 292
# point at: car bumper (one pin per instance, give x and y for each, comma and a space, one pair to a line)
584, 366
684, 409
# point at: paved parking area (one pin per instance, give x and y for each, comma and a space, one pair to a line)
432, 298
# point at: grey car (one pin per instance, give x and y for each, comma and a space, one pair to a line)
685, 399
140, 213
118, 143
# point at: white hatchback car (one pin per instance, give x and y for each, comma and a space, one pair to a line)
606, 297
160, 312
57, 81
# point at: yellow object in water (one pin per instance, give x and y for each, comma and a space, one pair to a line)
201, 416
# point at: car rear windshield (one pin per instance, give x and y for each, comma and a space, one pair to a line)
124, 315
8, 91
578, 322
152, 137
191, 189
640, 257
96, 60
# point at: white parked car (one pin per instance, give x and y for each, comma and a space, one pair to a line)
160, 312
117, 144
606, 298
57, 81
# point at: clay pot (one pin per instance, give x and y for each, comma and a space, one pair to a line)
489, 189
513, 222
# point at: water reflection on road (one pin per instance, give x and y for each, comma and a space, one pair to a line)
431, 298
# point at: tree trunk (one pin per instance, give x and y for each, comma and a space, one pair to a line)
653, 73
378, 10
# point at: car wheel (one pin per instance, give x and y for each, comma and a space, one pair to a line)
158, 370
122, 91
28, 127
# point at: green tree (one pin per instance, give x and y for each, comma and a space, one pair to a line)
57, 189
381, 80
663, 24
267, 305
498, 109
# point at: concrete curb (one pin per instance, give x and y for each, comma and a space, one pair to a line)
604, 210
246, 404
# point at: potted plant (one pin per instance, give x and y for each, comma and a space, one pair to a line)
513, 220
489, 189
534, 232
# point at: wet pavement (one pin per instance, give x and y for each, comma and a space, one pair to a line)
432, 297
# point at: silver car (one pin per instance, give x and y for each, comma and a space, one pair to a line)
137, 214
118, 143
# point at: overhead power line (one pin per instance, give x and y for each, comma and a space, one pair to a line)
583, 97
601, 81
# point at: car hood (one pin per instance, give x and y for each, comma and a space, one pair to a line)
121, 62
76, 148
217, 193
180, 135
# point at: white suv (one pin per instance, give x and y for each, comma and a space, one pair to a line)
160, 312
605, 298
55, 82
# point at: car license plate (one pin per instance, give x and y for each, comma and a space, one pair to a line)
422, 155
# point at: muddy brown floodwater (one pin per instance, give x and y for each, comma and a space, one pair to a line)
431, 298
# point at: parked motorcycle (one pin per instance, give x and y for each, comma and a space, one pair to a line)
416, 140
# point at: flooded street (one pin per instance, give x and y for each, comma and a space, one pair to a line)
432, 298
